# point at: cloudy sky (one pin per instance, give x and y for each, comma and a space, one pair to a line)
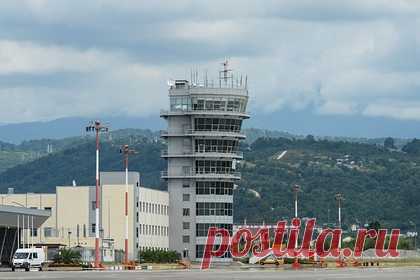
328, 59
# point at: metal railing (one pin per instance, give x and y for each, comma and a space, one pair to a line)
202, 172
191, 131
189, 111
239, 154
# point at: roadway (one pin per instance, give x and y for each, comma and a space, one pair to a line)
220, 274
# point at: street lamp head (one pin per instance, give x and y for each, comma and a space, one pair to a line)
96, 126
339, 197
125, 149
296, 188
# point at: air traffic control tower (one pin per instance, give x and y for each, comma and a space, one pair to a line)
204, 130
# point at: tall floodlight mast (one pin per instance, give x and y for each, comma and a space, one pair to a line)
339, 197
296, 189
97, 127
126, 151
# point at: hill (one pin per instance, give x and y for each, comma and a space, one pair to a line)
27, 151
377, 183
78, 163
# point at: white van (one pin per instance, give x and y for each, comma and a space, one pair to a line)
28, 258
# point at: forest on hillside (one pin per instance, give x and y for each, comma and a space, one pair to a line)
379, 182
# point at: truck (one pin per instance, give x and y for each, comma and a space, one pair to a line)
28, 258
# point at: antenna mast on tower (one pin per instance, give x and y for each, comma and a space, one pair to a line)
225, 74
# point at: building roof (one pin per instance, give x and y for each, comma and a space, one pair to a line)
9, 216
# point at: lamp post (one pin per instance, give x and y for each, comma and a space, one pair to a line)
126, 151
296, 189
69, 236
339, 197
97, 127
414, 234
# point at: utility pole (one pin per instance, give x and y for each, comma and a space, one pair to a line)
126, 151
296, 189
339, 197
97, 127
414, 234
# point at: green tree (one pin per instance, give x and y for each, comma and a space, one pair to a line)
68, 256
389, 143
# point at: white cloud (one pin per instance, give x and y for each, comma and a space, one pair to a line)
332, 57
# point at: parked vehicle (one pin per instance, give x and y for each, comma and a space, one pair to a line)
28, 258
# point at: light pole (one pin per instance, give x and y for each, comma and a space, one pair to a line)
97, 127
414, 234
69, 234
126, 151
296, 189
339, 197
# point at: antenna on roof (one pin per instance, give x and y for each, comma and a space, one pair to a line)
224, 74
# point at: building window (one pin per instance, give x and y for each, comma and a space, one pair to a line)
93, 228
185, 225
215, 188
48, 208
185, 212
93, 205
33, 232
213, 209
185, 185
48, 232
137, 232
186, 197
84, 230
216, 146
186, 239
201, 229
217, 124
199, 252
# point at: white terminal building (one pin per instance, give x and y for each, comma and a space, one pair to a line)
204, 130
72, 215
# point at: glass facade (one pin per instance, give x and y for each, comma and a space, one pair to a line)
199, 252
217, 124
213, 209
215, 188
213, 166
180, 103
225, 104
217, 104
216, 146
202, 229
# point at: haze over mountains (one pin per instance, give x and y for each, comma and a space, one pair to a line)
294, 122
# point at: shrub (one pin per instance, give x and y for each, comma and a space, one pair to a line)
67, 256
158, 256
